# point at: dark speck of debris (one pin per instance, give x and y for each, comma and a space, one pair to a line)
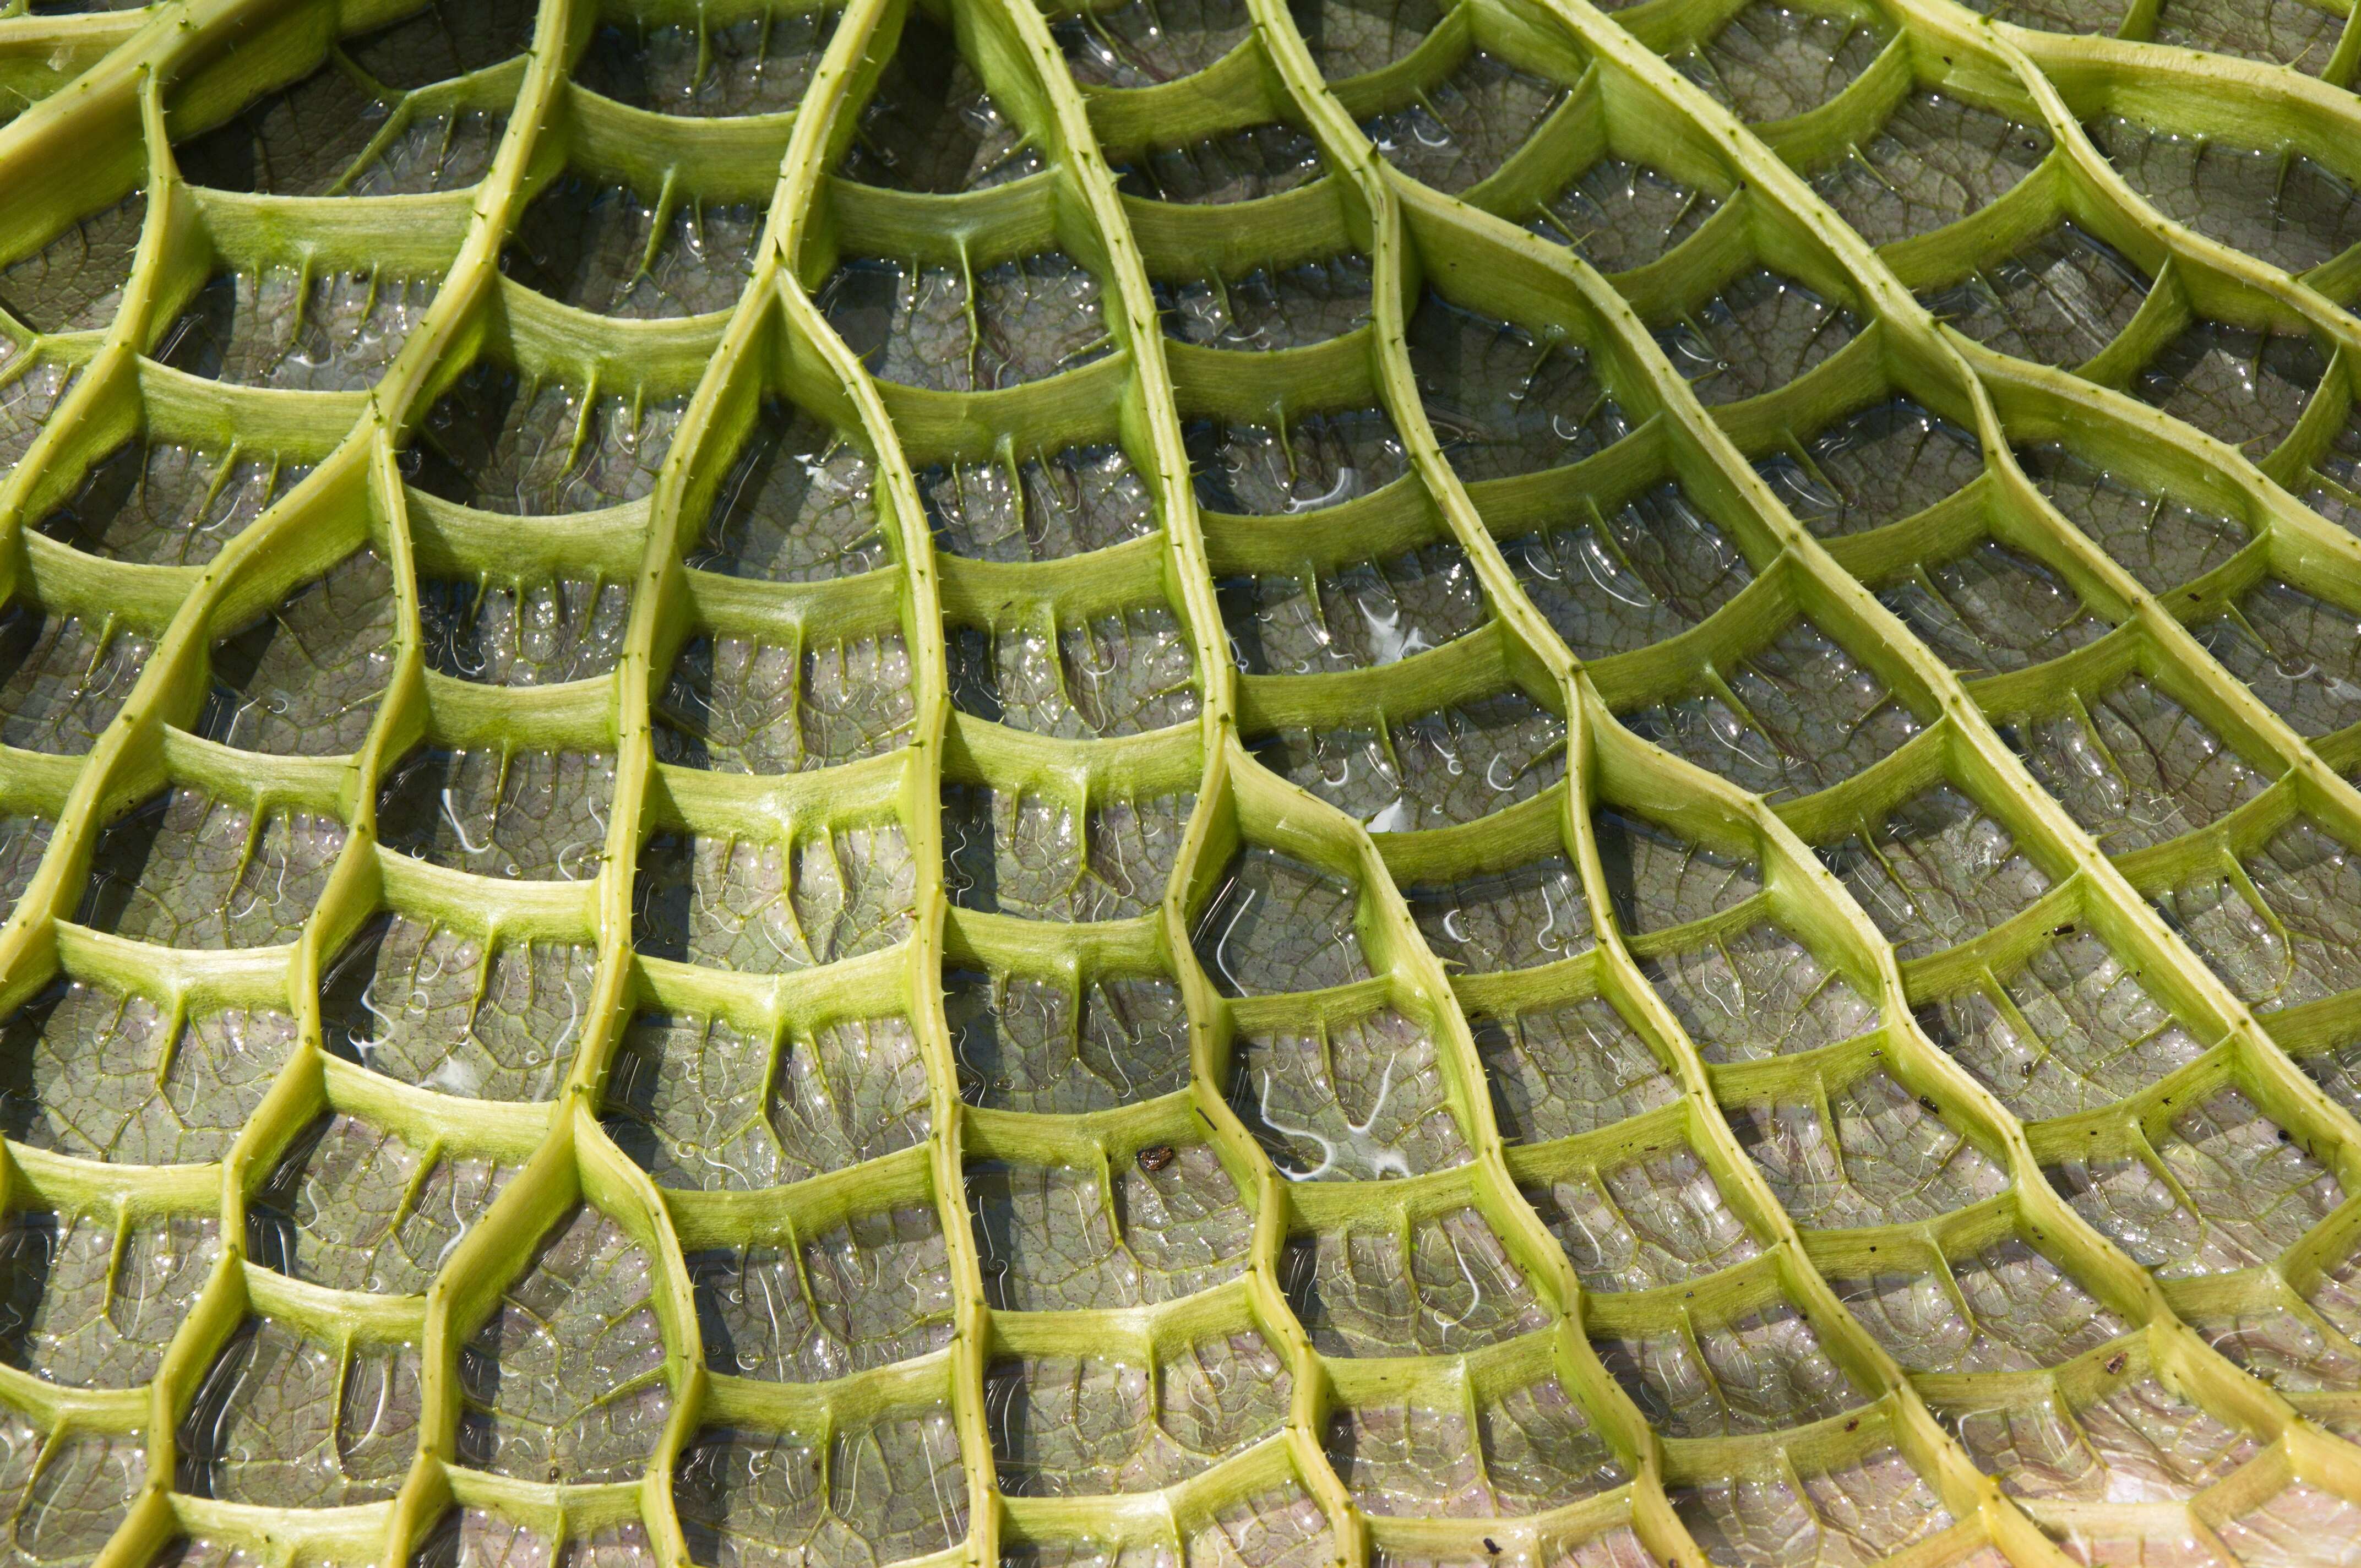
2115, 1361
1155, 1157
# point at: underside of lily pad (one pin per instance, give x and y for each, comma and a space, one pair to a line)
1206, 784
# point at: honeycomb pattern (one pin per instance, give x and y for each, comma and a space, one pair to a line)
1203, 784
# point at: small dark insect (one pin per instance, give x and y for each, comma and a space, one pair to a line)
1929, 1102
2286, 1137
2065, 930
1155, 1157
2115, 1361
1853, 1425
2027, 1068
1491, 1546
